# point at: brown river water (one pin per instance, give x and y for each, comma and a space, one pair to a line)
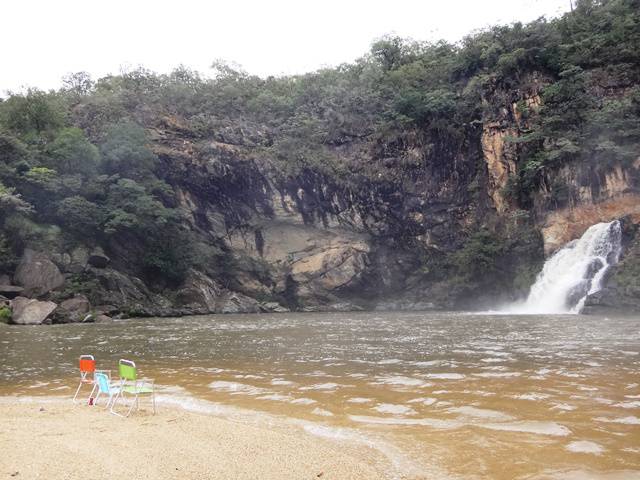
443, 395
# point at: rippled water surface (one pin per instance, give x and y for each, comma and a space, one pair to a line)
461, 395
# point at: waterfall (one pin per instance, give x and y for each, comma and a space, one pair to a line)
574, 272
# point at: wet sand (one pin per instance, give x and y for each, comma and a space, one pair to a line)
55, 440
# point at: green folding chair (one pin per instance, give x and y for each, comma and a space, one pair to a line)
132, 388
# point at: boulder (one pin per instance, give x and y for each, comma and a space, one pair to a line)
73, 310
30, 311
10, 291
98, 259
37, 274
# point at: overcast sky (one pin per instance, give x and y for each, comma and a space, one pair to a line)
42, 40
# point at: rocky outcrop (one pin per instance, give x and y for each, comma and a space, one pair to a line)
564, 225
128, 293
30, 311
37, 274
200, 294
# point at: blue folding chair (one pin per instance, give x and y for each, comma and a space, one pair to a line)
102, 383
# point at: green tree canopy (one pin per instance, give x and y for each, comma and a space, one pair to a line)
71, 152
125, 151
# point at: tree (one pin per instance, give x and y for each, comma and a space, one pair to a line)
125, 151
130, 207
389, 52
77, 84
81, 215
71, 152
33, 113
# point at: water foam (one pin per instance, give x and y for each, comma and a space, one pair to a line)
473, 412
394, 409
537, 427
235, 388
584, 446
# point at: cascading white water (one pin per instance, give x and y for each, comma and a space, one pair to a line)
574, 272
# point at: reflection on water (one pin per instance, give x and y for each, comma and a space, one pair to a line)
476, 396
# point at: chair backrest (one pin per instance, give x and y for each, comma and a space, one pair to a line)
87, 364
127, 369
103, 382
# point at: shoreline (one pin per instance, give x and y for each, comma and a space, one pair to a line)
49, 437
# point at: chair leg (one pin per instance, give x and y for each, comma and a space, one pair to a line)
95, 400
134, 403
153, 399
113, 404
77, 391
109, 401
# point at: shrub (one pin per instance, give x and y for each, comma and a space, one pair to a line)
5, 314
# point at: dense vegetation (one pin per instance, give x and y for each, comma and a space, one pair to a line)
77, 164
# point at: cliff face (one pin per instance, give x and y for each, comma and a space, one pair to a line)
308, 242
390, 239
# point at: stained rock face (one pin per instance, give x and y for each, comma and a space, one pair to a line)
30, 311
500, 157
37, 274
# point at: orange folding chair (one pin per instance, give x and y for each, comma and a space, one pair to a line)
87, 367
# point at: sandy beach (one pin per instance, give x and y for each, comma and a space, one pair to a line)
57, 440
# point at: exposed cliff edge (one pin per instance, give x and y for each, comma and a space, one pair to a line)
421, 176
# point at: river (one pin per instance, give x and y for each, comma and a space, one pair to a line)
446, 394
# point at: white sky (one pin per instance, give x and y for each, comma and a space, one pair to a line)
42, 40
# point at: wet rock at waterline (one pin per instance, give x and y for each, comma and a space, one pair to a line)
30, 311
73, 310
237, 303
273, 307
